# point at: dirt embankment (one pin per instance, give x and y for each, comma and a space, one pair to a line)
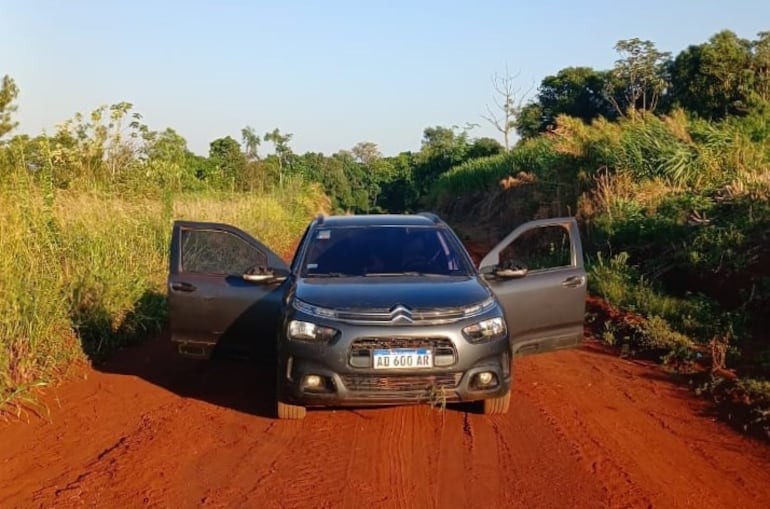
586, 429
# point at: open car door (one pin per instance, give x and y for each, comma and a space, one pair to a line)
538, 275
225, 290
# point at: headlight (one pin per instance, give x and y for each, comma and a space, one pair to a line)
313, 310
486, 329
306, 331
479, 308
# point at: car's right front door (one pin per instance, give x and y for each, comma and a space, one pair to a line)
538, 276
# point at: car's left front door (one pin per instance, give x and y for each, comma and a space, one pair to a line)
225, 290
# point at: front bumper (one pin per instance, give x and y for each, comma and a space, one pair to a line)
349, 383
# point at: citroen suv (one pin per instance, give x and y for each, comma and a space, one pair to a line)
379, 309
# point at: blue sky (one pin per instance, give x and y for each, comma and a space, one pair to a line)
333, 73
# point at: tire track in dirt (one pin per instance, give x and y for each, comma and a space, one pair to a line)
455, 449
613, 439
239, 469
585, 430
311, 469
486, 467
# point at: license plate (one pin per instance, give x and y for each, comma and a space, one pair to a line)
400, 358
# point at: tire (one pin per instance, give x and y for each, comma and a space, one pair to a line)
287, 411
498, 405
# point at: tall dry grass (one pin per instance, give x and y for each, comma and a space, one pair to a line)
82, 273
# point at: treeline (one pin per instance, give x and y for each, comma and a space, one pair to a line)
111, 147
726, 76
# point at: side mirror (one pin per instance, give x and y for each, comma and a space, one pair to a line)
261, 275
512, 273
511, 269
257, 278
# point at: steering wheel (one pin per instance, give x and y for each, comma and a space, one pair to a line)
422, 263
417, 263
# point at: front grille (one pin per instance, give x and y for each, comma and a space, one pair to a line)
444, 351
396, 383
437, 343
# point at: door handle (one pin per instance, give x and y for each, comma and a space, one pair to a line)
574, 281
183, 287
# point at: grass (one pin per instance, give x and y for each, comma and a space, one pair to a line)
675, 213
82, 273
518, 167
620, 284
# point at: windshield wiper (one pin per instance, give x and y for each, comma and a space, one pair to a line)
328, 274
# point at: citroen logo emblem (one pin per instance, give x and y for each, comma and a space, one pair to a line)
400, 314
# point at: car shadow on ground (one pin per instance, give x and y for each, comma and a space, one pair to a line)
226, 380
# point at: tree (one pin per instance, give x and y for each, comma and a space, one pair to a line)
761, 49
484, 147
358, 178
442, 148
717, 78
225, 153
8, 94
509, 104
399, 193
530, 121
366, 152
166, 159
341, 176
99, 147
575, 91
251, 142
640, 74
282, 150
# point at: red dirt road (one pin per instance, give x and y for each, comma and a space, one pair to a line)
586, 429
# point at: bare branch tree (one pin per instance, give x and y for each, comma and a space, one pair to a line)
509, 101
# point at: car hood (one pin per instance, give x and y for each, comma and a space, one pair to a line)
363, 293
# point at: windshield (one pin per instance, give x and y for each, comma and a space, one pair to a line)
384, 251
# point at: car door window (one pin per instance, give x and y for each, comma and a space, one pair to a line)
543, 248
218, 252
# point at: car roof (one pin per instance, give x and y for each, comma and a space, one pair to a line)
379, 220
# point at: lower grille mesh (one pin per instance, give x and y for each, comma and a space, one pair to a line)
400, 382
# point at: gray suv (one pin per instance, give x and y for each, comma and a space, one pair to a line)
379, 309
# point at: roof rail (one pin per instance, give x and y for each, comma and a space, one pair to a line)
320, 218
430, 215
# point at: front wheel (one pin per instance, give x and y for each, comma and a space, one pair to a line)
287, 411
498, 405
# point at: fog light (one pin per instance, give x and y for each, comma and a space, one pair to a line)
485, 378
313, 381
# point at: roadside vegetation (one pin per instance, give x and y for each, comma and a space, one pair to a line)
85, 223
666, 163
664, 159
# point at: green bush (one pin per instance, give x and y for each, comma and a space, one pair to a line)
622, 285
